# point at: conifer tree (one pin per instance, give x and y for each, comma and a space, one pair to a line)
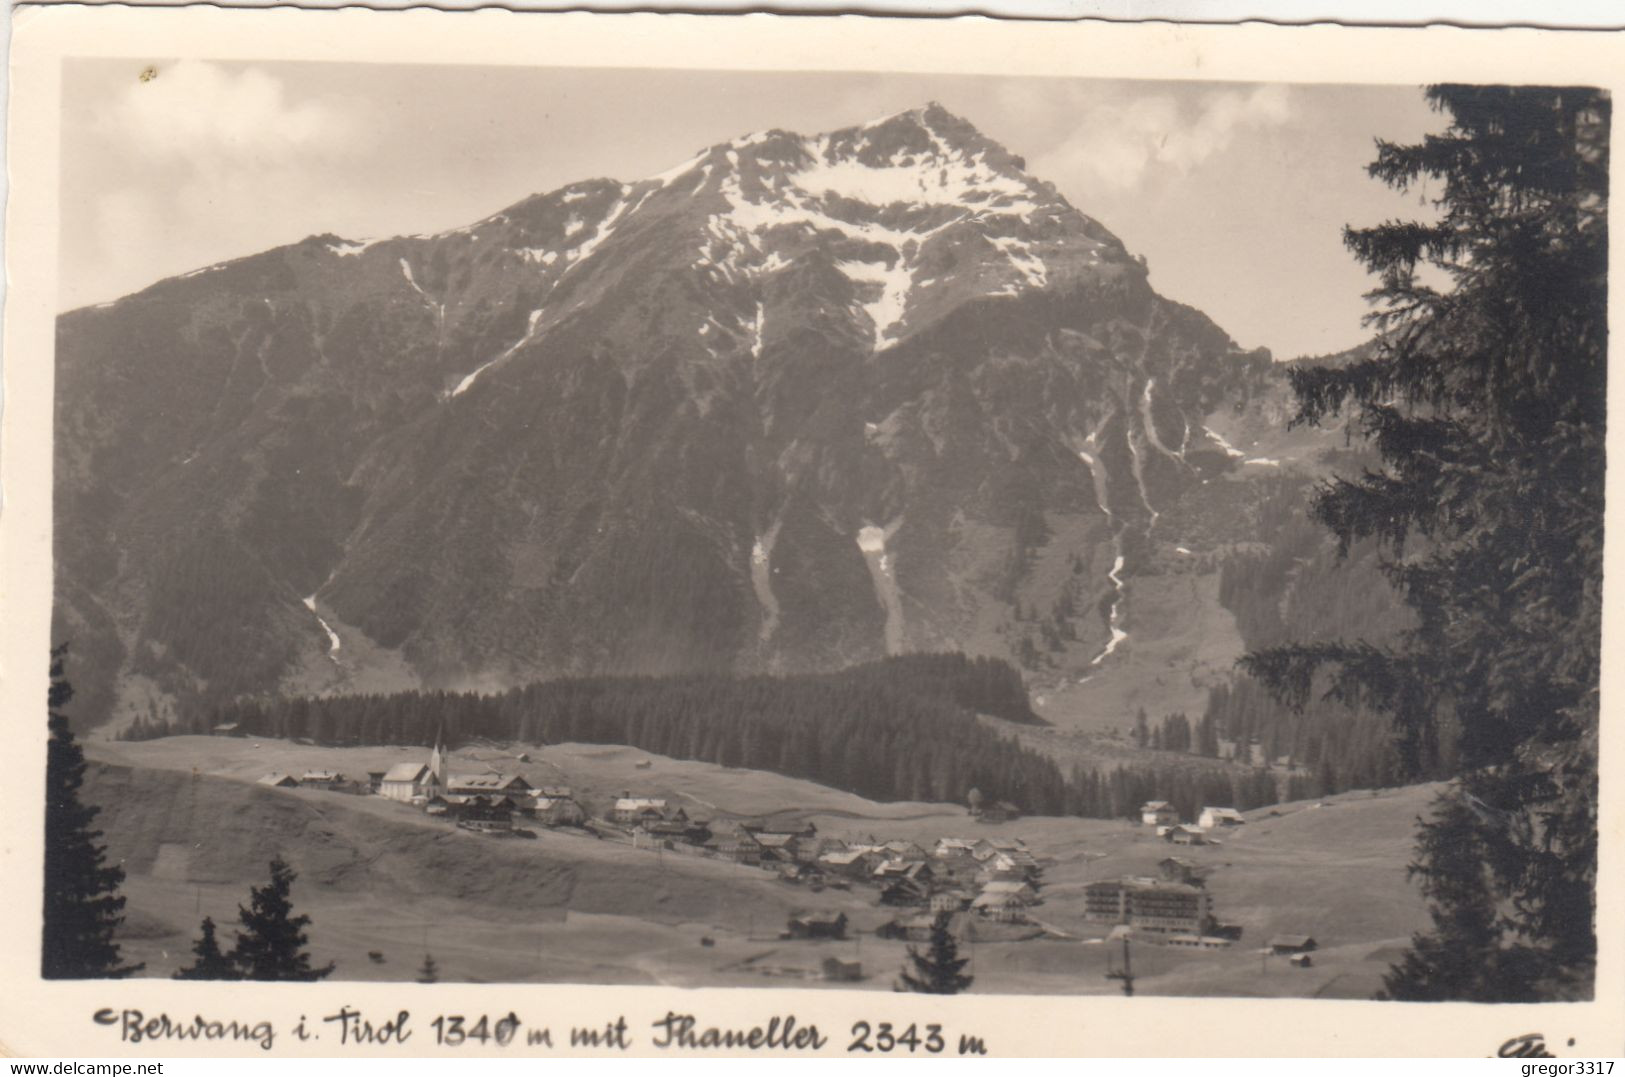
1485, 401
429, 972
210, 963
271, 945
83, 907
937, 971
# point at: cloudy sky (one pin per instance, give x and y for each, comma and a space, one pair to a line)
1235, 194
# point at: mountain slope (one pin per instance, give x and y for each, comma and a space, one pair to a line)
797, 402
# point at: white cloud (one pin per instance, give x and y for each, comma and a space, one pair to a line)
210, 115
1115, 144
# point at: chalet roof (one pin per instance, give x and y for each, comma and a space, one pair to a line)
1294, 941
544, 803
822, 917
554, 791
1156, 805
321, 776
1009, 886
840, 859
405, 772
986, 900
950, 846
1222, 813
640, 803
901, 868
275, 779
773, 841
486, 781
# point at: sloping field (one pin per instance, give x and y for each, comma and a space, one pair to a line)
381, 878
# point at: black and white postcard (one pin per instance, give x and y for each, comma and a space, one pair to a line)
667, 535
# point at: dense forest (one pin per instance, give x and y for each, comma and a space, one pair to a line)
905, 728
1303, 587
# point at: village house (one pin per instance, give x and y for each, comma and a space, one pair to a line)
1292, 944
776, 848
1158, 813
558, 811
485, 814
675, 826
739, 846
904, 850
320, 779
279, 781
1004, 867
227, 729
375, 781
1151, 904
916, 928
797, 872
630, 810
816, 925
1220, 817
1002, 812
1185, 835
987, 848
905, 891
490, 784
1176, 869
847, 863
1198, 942
1004, 902
948, 901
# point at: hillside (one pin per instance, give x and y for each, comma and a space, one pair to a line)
378, 876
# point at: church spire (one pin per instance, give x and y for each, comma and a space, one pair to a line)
437, 758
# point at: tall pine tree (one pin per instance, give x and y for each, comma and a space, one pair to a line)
1485, 400
937, 971
210, 963
83, 907
271, 945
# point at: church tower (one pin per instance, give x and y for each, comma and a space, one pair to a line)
437, 761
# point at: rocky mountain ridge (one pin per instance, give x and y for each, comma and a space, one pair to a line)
797, 402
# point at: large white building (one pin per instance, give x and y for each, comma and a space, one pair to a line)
416, 781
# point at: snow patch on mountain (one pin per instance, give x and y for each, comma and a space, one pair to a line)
945, 177
333, 641
761, 579
1116, 616
530, 332
872, 542
1020, 255
756, 331
1229, 449
349, 248
886, 289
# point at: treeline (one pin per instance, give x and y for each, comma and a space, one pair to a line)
904, 728
1302, 589
1119, 793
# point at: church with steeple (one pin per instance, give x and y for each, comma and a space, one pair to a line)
417, 782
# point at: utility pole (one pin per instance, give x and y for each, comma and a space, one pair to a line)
1127, 972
